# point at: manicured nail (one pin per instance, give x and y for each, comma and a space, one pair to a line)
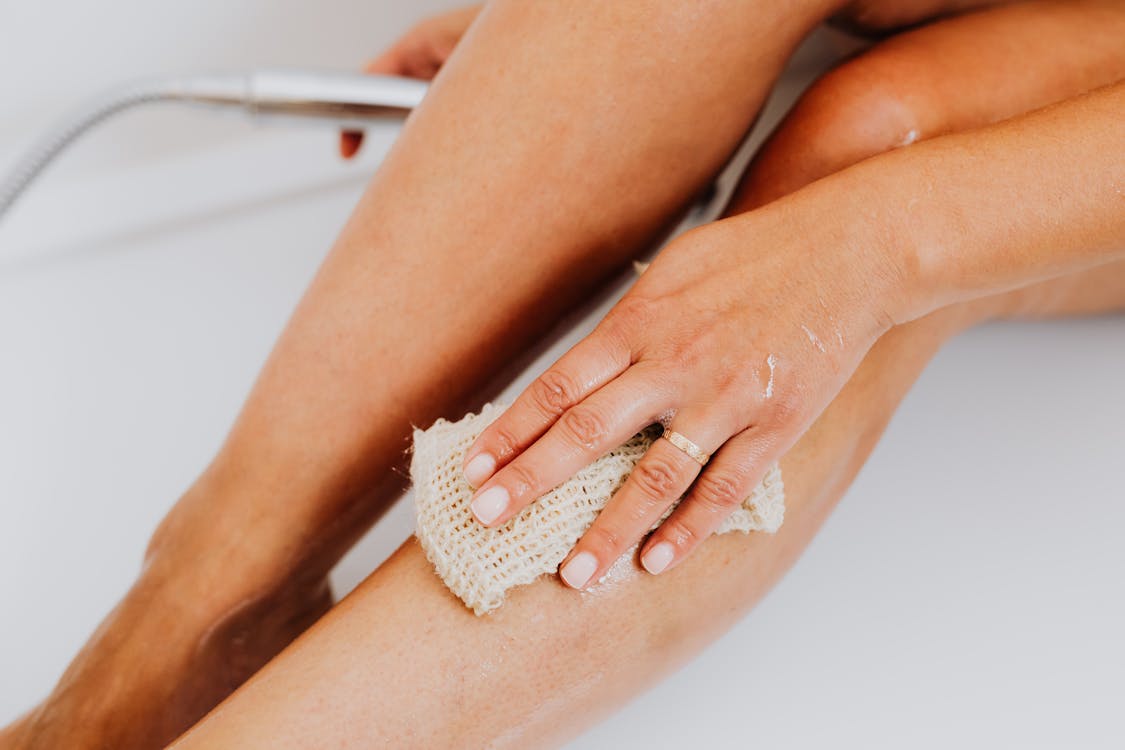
659, 557
488, 505
479, 469
578, 572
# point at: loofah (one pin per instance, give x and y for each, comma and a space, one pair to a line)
480, 564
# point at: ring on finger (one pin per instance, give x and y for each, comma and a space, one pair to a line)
686, 445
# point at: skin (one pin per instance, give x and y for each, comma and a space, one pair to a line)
332, 685
422, 50
226, 525
745, 329
419, 53
321, 691
315, 456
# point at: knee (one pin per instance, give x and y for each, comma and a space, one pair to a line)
860, 109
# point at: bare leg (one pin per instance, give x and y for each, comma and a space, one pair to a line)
496, 211
343, 680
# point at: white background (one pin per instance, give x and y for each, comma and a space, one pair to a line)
968, 592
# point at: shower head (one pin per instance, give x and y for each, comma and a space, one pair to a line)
344, 99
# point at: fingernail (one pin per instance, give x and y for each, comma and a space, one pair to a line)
488, 505
479, 469
658, 558
578, 572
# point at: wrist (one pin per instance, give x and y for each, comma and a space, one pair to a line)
890, 204
853, 221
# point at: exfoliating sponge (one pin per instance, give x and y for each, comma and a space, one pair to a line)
479, 564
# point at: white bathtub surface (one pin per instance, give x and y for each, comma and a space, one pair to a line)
968, 592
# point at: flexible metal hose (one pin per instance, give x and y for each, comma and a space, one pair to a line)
49, 146
345, 99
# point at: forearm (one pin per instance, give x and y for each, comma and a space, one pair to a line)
557, 141
985, 211
617, 638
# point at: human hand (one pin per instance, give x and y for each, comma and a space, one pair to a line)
419, 53
742, 331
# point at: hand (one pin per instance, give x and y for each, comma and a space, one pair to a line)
743, 330
420, 53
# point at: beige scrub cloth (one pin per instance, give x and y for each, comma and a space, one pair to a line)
480, 564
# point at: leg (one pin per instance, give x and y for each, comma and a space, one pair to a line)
342, 681
877, 17
498, 195
621, 636
993, 65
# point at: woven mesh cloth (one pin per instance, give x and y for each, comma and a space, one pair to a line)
480, 564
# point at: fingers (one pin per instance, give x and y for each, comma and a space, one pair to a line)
397, 61
583, 433
730, 478
658, 480
586, 367
350, 141
420, 53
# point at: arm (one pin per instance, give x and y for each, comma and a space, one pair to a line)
497, 194
496, 212
402, 663
746, 329
549, 663
1028, 199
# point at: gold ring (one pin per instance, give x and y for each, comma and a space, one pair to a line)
686, 446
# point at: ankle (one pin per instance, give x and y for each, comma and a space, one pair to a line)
14, 736
121, 692
208, 548
231, 583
